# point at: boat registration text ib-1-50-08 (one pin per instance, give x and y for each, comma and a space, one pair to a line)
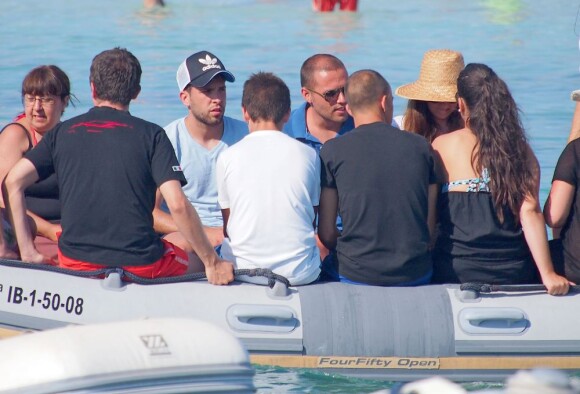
43, 299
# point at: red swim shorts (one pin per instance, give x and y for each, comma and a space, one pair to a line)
174, 262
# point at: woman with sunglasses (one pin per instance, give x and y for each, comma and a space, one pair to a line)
491, 227
432, 106
45, 95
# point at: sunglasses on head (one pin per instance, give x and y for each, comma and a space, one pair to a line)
330, 95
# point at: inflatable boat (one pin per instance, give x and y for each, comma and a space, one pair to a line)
154, 356
397, 334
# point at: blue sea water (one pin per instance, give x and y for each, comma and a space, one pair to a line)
532, 44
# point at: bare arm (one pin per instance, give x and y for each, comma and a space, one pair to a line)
162, 221
328, 210
575, 128
559, 203
22, 175
226, 217
218, 271
534, 228
13, 145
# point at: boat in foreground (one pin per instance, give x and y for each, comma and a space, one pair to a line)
154, 356
396, 334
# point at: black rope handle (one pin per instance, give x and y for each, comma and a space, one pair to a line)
488, 288
256, 272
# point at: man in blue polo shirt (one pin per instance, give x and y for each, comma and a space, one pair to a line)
323, 115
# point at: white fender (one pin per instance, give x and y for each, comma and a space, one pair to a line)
144, 353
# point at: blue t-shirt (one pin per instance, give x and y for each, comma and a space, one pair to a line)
198, 165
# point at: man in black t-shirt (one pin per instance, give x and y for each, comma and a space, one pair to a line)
381, 181
109, 165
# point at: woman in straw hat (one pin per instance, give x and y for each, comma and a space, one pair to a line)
491, 227
432, 107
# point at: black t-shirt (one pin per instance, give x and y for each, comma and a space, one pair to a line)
568, 170
108, 164
474, 246
382, 176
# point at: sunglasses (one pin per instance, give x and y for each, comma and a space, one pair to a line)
330, 95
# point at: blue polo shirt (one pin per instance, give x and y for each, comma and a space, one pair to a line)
296, 128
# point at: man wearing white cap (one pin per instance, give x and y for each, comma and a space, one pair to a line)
199, 139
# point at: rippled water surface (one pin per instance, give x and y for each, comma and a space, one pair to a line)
532, 44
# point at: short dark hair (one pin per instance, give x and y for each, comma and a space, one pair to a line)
116, 76
364, 88
266, 97
318, 62
46, 80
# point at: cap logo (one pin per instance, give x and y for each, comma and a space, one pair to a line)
209, 63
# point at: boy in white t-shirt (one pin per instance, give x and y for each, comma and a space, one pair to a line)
269, 188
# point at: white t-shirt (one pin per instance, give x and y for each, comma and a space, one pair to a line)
198, 165
270, 183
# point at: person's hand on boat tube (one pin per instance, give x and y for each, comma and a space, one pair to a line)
556, 284
220, 273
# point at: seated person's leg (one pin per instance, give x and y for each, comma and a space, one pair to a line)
46, 247
174, 262
8, 245
214, 234
178, 240
194, 265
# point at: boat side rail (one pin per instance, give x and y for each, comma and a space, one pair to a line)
476, 288
272, 277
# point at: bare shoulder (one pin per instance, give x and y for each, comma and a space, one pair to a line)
451, 140
14, 135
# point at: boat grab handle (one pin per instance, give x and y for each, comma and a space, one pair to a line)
493, 320
262, 318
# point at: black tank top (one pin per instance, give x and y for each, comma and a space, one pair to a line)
473, 246
42, 198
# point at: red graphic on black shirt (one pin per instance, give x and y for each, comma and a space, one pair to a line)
98, 126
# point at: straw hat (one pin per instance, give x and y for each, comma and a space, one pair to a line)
437, 81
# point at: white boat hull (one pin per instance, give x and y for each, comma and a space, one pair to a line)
390, 333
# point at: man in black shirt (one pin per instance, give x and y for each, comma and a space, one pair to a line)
109, 164
381, 181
